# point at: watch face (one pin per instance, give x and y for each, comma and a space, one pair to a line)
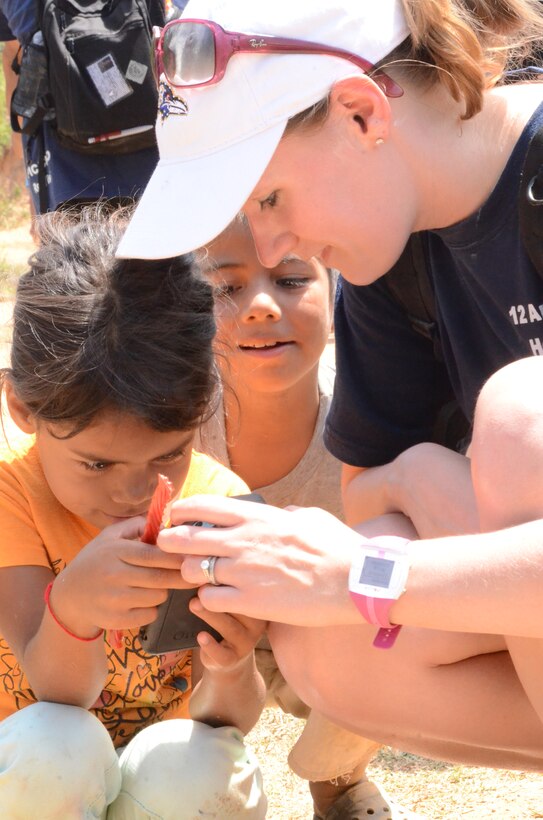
377, 572
381, 575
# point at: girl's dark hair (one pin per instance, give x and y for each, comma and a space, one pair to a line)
94, 333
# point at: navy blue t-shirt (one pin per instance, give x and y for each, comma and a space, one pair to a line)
5, 31
489, 310
18, 20
71, 175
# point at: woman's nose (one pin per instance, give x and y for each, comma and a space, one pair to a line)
272, 247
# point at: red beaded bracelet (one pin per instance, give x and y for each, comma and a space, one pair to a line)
46, 597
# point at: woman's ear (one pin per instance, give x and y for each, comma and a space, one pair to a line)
362, 102
18, 410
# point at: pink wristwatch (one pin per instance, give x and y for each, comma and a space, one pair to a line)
377, 578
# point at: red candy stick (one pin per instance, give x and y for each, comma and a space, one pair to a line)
155, 514
160, 499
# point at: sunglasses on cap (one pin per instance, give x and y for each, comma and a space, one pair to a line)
195, 53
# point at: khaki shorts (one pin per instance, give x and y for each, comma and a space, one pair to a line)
323, 751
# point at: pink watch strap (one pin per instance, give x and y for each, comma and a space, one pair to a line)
386, 638
375, 611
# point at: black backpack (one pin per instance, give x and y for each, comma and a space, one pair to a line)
89, 71
410, 284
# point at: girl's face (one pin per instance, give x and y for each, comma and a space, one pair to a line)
335, 194
272, 324
108, 471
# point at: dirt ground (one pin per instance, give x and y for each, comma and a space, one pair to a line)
437, 791
434, 790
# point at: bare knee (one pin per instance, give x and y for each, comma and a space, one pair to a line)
507, 446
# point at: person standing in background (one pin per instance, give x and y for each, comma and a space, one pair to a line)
58, 176
12, 167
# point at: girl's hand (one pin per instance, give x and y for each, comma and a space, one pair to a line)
240, 636
115, 582
290, 566
227, 689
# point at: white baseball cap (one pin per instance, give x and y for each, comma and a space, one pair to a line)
215, 141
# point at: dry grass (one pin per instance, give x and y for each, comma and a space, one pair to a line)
438, 791
435, 790
14, 202
15, 246
15, 242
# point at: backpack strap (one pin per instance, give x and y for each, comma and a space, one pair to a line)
531, 201
410, 285
43, 194
30, 102
32, 124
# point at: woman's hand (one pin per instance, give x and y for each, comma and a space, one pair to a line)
240, 636
290, 566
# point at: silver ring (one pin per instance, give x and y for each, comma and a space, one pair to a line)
208, 568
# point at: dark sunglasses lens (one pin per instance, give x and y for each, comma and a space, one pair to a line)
188, 54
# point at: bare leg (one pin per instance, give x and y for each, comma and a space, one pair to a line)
471, 711
507, 468
326, 792
331, 758
475, 699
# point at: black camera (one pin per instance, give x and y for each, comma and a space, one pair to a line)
175, 626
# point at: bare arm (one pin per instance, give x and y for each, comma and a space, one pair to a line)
293, 567
228, 690
59, 668
115, 582
429, 484
366, 492
230, 697
489, 582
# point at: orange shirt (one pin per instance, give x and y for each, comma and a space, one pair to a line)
35, 529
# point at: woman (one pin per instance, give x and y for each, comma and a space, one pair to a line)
405, 147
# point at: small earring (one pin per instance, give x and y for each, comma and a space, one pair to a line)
379, 141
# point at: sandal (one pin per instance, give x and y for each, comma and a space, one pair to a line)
363, 800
